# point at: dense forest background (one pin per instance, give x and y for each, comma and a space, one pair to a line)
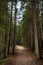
21, 26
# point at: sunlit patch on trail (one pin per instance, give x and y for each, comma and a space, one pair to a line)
20, 47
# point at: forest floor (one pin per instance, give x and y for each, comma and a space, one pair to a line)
23, 57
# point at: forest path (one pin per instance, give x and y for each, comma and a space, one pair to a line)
22, 57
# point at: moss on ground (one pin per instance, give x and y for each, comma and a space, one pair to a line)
2, 60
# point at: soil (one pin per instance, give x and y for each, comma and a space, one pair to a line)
23, 57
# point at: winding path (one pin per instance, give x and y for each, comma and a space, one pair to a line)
22, 57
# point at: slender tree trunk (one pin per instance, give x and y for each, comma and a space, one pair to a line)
4, 50
5, 38
34, 2
8, 44
32, 37
10, 31
14, 40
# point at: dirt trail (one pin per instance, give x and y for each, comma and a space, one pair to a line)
22, 57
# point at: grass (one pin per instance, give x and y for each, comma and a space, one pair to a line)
2, 60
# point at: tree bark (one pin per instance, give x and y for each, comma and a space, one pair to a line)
34, 4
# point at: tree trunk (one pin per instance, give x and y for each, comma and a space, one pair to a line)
4, 50
8, 44
14, 40
34, 2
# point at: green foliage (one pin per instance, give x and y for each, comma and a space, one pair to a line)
19, 33
4, 22
25, 25
2, 60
